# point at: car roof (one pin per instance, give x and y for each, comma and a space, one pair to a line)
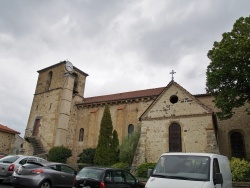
102, 168
46, 163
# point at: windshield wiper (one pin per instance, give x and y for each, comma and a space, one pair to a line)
159, 175
181, 178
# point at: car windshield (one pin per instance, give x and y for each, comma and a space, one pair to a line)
90, 173
9, 159
195, 168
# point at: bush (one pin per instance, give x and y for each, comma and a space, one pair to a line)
124, 166
142, 169
59, 154
87, 156
240, 169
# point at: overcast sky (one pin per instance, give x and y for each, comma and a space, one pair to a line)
124, 45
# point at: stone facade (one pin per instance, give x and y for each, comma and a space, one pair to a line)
60, 115
10, 141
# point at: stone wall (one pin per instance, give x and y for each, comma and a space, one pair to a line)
6, 142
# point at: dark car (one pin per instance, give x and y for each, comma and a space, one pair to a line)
98, 177
43, 175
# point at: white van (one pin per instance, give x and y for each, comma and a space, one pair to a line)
190, 170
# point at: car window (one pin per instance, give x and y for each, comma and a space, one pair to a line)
117, 176
31, 159
54, 167
23, 161
90, 173
67, 169
129, 177
9, 159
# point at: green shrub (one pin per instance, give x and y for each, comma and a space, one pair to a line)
142, 169
87, 156
59, 154
240, 169
124, 166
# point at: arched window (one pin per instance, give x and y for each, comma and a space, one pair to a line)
75, 89
130, 129
175, 138
237, 145
81, 134
48, 81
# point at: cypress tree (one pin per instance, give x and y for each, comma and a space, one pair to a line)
103, 155
115, 148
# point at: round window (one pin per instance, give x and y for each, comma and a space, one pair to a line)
173, 99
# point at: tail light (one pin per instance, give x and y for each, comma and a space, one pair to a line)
37, 171
74, 181
11, 167
102, 184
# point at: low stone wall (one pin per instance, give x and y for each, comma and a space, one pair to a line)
241, 184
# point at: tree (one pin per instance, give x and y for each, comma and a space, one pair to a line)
115, 148
129, 145
103, 155
59, 154
228, 74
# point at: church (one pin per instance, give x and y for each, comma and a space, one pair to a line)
171, 118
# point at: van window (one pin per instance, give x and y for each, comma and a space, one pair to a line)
216, 168
193, 168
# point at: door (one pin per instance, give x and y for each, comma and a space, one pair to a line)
36, 127
67, 175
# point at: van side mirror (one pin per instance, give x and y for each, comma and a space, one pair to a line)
218, 179
150, 171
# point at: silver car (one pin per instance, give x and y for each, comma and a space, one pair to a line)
43, 175
10, 163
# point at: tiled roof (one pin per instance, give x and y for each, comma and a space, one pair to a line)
7, 129
124, 96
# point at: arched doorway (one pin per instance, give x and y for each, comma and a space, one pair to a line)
175, 138
237, 145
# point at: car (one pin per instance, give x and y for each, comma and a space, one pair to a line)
103, 177
10, 163
2, 155
43, 175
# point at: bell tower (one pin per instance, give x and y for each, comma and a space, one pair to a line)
58, 88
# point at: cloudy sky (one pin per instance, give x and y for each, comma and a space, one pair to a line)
124, 45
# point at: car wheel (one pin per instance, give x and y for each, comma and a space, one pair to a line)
45, 184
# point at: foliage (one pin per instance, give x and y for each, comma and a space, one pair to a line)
240, 169
115, 148
228, 77
129, 145
59, 154
124, 166
87, 156
142, 169
103, 155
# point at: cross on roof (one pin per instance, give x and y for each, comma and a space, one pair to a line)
172, 74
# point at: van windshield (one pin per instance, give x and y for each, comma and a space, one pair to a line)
185, 167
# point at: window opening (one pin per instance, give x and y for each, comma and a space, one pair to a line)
175, 138
81, 133
173, 99
130, 129
237, 145
48, 81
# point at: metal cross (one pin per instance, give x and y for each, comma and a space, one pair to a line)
172, 74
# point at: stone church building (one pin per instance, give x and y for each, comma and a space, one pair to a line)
171, 118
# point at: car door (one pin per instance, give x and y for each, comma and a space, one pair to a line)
67, 175
118, 180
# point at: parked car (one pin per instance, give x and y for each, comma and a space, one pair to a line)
98, 177
2, 155
10, 163
43, 175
